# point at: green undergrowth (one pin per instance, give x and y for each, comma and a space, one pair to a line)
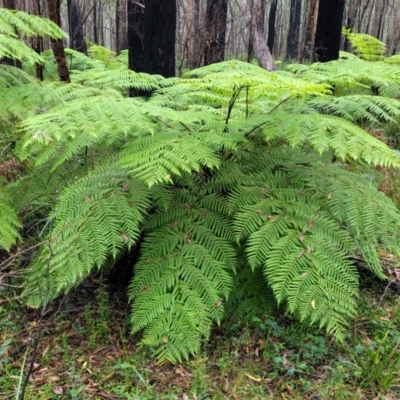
86, 352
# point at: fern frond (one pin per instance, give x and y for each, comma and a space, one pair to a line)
94, 219
329, 133
155, 158
366, 46
13, 22
183, 276
9, 223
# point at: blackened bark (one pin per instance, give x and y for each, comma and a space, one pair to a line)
151, 37
57, 44
95, 28
76, 39
294, 30
216, 14
271, 25
329, 30
121, 31
37, 41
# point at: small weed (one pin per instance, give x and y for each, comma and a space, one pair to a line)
377, 364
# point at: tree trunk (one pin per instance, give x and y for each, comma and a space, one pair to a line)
271, 25
57, 44
216, 15
329, 30
194, 45
261, 15
261, 50
151, 36
76, 37
294, 30
121, 38
311, 27
95, 27
37, 41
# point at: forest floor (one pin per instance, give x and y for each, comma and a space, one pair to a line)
86, 352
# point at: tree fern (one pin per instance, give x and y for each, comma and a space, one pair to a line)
225, 177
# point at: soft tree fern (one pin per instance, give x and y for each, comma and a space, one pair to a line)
235, 182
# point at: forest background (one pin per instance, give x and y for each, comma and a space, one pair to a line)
290, 25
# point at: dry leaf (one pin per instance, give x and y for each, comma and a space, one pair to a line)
58, 390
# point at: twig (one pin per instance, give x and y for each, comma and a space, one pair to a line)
36, 339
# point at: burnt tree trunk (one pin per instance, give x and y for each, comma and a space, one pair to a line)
271, 25
216, 14
57, 44
329, 30
294, 29
37, 41
151, 37
121, 38
76, 39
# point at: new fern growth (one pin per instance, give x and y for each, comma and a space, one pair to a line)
235, 182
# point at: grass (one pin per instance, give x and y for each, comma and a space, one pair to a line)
86, 352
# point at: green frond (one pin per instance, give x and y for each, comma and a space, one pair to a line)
357, 108
9, 222
365, 46
13, 22
183, 277
369, 216
94, 219
329, 133
155, 158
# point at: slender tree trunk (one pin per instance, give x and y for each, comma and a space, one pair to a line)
95, 27
216, 15
261, 50
37, 41
151, 36
311, 27
271, 25
76, 37
57, 44
261, 15
294, 29
329, 30
121, 31
194, 45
